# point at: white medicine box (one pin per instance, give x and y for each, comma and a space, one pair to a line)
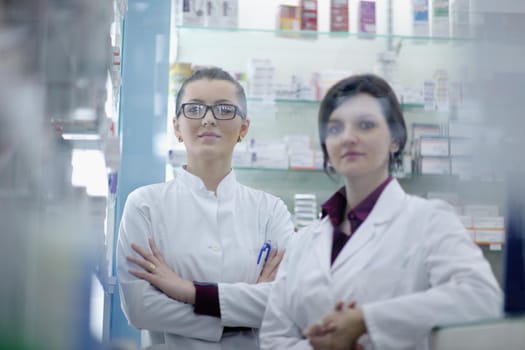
435, 165
435, 146
190, 13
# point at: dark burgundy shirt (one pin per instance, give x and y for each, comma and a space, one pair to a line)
335, 207
207, 303
207, 299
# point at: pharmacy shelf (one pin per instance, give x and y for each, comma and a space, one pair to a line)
313, 34
406, 106
301, 54
275, 120
471, 191
285, 182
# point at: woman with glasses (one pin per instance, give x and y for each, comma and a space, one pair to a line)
382, 267
196, 254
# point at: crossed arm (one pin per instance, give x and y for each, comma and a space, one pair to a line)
154, 269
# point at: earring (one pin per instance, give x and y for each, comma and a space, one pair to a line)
393, 163
329, 166
180, 139
239, 139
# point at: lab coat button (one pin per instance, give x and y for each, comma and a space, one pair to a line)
215, 248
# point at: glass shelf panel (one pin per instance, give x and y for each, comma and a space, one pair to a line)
284, 100
312, 34
301, 54
406, 106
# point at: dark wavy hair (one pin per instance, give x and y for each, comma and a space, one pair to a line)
376, 87
213, 73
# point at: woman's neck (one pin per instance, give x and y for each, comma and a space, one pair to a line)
211, 172
357, 189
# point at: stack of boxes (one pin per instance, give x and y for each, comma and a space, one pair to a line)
430, 149
482, 221
457, 150
484, 224
305, 209
300, 152
290, 152
270, 154
260, 73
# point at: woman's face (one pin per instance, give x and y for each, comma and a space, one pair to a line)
209, 138
358, 140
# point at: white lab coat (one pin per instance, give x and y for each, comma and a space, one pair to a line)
410, 266
203, 237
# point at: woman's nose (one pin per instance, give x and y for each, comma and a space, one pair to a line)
349, 134
208, 118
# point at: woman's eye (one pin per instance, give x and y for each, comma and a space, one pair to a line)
192, 109
226, 109
365, 125
334, 129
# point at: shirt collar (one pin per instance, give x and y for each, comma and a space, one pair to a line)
335, 206
225, 188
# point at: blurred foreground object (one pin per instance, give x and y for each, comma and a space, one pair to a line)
55, 57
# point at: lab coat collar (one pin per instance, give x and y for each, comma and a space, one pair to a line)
322, 244
194, 183
388, 206
360, 246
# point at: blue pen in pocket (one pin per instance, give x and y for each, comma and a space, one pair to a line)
267, 247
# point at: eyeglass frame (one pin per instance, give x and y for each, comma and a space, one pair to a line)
238, 111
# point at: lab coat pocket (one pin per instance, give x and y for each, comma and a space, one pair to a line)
379, 283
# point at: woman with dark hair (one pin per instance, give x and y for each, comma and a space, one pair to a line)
196, 254
382, 267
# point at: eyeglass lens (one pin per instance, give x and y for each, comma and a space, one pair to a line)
220, 111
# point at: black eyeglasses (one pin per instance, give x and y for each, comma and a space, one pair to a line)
222, 111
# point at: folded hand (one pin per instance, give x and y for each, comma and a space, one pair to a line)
339, 329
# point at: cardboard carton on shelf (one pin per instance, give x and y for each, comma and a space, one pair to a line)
288, 19
308, 15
